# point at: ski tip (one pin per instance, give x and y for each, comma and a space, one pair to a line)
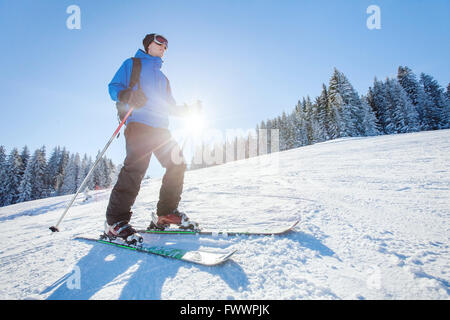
54, 229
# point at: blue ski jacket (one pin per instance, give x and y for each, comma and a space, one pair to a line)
154, 83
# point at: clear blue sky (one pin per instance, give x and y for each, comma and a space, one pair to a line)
247, 60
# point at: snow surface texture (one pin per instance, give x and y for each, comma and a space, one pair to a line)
374, 225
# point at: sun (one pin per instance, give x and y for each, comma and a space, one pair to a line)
194, 124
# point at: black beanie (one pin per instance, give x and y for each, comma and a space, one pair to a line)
147, 40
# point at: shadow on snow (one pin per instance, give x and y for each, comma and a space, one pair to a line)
144, 275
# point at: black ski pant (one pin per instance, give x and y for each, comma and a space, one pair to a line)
141, 142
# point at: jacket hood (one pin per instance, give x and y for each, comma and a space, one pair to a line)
157, 61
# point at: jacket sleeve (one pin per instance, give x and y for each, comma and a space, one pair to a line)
121, 79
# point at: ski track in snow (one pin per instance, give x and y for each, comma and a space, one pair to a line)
374, 225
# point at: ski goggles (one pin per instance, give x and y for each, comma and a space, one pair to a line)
161, 40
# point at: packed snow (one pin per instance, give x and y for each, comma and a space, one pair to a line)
374, 225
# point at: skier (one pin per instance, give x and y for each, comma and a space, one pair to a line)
147, 133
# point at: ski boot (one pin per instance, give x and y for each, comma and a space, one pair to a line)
176, 217
123, 230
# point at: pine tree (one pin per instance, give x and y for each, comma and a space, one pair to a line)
281, 123
26, 184
369, 121
377, 99
290, 137
446, 112
3, 176
410, 113
415, 93
436, 95
337, 119
301, 138
345, 105
63, 162
81, 172
85, 167
25, 156
310, 120
13, 167
110, 172
389, 109
52, 171
100, 173
40, 185
404, 115
322, 113
69, 185
447, 93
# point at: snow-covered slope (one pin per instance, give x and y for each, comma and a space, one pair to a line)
374, 225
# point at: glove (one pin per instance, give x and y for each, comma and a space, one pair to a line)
122, 110
136, 99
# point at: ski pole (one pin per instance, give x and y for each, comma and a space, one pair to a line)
55, 227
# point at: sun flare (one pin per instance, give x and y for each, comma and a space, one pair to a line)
194, 124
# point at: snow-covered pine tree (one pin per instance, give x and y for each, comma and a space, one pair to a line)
25, 156
26, 184
81, 172
52, 171
344, 99
301, 138
3, 176
403, 114
376, 97
63, 162
110, 172
298, 106
319, 132
337, 118
416, 94
285, 132
102, 174
90, 183
40, 185
439, 104
69, 185
290, 139
310, 118
447, 93
322, 112
389, 108
97, 174
13, 165
446, 113
86, 165
369, 120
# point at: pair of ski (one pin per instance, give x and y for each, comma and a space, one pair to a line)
202, 257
